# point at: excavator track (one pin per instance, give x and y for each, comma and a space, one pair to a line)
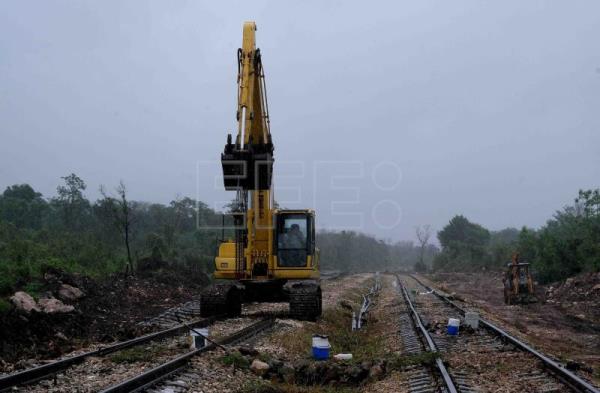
305, 301
221, 299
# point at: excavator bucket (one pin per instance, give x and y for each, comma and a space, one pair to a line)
518, 283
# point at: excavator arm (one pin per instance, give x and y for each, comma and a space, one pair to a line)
248, 163
253, 112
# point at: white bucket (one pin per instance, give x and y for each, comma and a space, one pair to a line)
472, 319
197, 338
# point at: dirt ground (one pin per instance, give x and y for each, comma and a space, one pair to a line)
563, 323
109, 311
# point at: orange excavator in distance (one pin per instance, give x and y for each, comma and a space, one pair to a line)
518, 283
273, 257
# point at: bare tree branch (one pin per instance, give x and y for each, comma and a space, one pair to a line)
423, 234
121, 211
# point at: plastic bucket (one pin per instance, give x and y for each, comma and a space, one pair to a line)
472, 319
320, 347
197, 338
453, 325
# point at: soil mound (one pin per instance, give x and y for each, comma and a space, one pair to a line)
103, 311
579, 294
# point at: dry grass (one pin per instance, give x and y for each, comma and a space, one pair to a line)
336, 323
134, 355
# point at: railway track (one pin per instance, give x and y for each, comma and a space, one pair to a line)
50, 370
174, 316
93, 371
417, 340
167, 376
482, 360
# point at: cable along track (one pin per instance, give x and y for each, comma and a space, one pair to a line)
487, 359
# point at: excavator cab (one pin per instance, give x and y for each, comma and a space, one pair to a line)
518, 283
294, 254
294, 239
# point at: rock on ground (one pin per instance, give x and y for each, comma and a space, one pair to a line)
53, 306
259, 367
24, 302
69, 293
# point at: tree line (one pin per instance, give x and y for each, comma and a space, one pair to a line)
568, 244
111, 234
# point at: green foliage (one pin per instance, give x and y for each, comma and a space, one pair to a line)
335, 323
21, 206
464, 245
34, 289
71, 233
235, 359
460, 233
5, 306
135, 354
569, 243
401, 362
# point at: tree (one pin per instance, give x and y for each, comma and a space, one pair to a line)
503, 244
461, 232
72, 191
71, 202
122, 215
22, 206
464, 245
423, 234
590, 200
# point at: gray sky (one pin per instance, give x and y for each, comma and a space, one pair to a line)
385, 115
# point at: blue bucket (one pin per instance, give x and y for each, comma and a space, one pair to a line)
320, 347
453, 325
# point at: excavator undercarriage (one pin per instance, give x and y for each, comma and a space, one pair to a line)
226, 298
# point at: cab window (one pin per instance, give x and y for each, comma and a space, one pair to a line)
292, 240
293, 233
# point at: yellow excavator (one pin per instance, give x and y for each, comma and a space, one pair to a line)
518, 283
273, 257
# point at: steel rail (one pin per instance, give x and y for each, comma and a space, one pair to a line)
430, 343
159, 373
562, 373
40, 372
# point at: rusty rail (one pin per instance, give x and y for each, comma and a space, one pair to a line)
574, 381
48, 370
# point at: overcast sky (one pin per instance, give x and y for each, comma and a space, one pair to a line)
385, 115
